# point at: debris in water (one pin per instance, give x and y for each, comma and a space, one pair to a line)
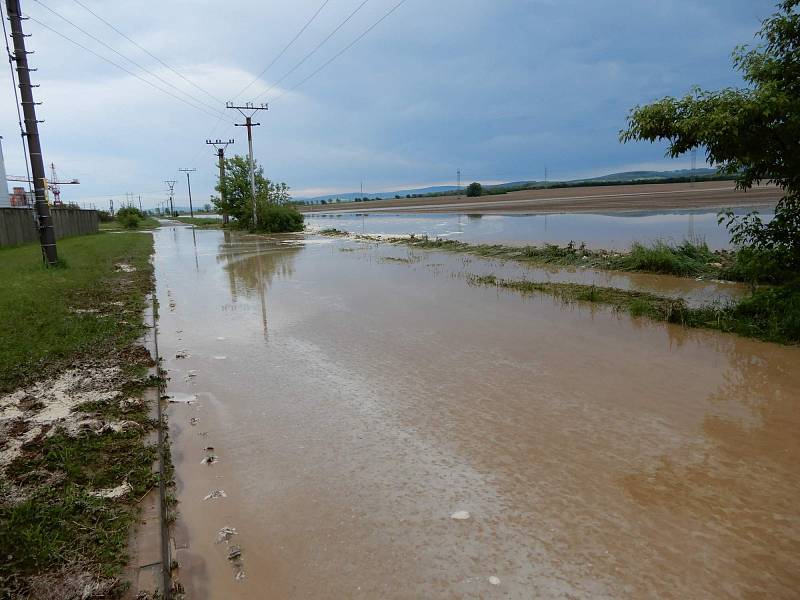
494, 580
225, 534
208, 448
221, 339
220, 357
239, 575
191, 373
193, 421
121, 490
216, 494
209, 460
182, 354
235, 553
180, 398
461, 515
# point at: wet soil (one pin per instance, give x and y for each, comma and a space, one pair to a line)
355, 404
602, 199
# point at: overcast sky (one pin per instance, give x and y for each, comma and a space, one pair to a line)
498, 88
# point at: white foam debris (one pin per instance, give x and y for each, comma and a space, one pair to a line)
215, 494
225, 534
116, 492
239, 575
460, 515
125, 267
494, 580
209, 460
51, 403
220, 358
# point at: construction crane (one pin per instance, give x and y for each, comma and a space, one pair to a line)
52, 184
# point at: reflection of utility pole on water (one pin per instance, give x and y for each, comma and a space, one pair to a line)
458, 180
248, 122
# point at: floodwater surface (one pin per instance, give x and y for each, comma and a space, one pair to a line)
611, 231
356, 397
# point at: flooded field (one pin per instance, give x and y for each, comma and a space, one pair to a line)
356, 421
610, 231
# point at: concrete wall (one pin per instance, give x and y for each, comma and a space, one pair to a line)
18, 226
4, 201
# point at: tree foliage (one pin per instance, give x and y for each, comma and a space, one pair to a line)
474, 189
238, 201
751, 132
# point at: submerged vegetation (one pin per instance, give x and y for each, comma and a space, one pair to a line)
771, 314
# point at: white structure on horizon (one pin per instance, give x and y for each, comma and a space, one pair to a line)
5, 199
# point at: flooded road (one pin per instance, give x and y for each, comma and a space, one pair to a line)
607, 231
356, 398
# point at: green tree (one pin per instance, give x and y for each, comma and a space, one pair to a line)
474, 189
751, 132
238, 196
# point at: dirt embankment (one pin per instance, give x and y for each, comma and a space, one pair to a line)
623, 198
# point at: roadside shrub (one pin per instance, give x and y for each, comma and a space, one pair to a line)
130, 217
276, 218
104, 216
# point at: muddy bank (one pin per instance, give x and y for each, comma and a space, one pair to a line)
357, 408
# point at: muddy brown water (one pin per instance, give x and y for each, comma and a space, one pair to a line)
355, 403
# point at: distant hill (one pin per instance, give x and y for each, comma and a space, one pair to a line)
626, 177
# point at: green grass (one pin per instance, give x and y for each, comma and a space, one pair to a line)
39, 328
686, 259
148, 223
204, 222
770, 314
58, 522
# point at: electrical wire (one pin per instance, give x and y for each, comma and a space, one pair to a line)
282, 52
129, 72
22, 132
310, 54
150, 54
120, 54
342, 51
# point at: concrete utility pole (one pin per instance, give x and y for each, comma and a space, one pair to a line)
140, 204
250, 108
47, 235
221, 146
171, 185
189, 185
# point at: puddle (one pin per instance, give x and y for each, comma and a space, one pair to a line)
370, 401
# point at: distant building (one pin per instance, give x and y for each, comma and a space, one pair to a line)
20, 198
5, 200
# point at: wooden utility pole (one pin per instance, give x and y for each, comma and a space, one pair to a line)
221, 146
47, 235
171, 185
189, 185
250, 108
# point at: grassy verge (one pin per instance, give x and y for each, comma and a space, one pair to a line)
204, 222
771, 314
148, 223
56, 532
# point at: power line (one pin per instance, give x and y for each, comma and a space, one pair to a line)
120, 54
310, 54
150, 54
128, 71
343, 50
16, 99
282, 52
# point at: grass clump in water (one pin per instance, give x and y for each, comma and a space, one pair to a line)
770, 314
659, 257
